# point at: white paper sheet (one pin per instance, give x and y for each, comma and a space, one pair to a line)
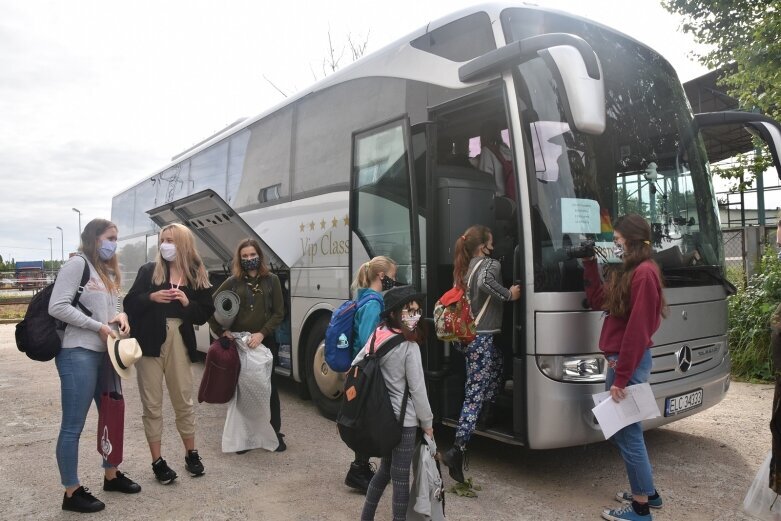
638, 405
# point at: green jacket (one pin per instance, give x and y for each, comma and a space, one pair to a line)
262, 317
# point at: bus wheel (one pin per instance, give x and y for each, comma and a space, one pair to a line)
325, 386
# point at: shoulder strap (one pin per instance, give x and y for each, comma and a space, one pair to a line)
84, 279
474, 270
366, 298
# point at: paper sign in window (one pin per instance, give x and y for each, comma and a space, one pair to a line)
579, 216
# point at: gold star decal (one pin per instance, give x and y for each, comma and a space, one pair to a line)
311, 225
322, 224
334, 222
301, 227
346, 220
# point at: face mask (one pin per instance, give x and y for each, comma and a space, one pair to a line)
106, 250
388, 283
410, 321
168, 251
618, 251
250, 264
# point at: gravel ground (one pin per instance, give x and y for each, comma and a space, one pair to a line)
703, 464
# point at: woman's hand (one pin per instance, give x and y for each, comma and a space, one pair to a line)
163, 296
617, 393
515, 292
255, 340
106, 332
180, 296
429, 432
121, 320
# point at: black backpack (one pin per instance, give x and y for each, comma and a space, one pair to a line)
366, 421
36, 334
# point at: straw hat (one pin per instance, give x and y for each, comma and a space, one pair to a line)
123, 352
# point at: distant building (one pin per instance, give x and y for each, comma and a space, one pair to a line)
30, 274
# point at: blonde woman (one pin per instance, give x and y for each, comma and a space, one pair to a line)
372, 278
168, 296
83, 355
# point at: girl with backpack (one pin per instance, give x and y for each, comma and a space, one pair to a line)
401, 368
634, 305
372, 278
480, 277
82, 359
261, 310
168, 297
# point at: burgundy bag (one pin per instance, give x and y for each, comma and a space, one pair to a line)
111, 419
221, 372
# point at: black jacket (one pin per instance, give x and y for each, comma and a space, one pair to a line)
147, 318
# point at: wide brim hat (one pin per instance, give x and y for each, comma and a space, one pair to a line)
123, 353
395, 298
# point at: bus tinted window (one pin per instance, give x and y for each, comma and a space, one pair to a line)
237, 153
461, 40
209, 169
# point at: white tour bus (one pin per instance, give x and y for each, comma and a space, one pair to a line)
378, 159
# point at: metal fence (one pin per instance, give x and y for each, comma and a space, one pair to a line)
743, 248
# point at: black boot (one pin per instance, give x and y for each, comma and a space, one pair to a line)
359, 476
454, 459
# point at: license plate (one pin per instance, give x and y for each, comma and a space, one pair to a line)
683, 402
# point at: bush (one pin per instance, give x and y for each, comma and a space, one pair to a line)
750, 310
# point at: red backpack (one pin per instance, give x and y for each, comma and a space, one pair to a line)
221, 372
508, 172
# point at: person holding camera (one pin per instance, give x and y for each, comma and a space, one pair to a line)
480, 276
634, 305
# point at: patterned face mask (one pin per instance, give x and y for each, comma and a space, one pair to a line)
411, 321
388, 283
250, 264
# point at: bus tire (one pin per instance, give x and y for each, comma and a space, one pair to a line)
325, 386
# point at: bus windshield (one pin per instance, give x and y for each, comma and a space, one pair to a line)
648, 161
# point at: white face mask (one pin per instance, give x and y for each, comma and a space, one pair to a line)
168, 251
410, 321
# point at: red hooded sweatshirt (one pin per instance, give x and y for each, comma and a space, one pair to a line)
630, 336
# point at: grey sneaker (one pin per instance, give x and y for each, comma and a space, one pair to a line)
626, 497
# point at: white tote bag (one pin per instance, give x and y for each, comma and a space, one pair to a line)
248, 422
760, 497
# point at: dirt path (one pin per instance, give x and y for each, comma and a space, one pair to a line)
703, 465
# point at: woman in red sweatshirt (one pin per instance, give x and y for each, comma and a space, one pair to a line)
632, 299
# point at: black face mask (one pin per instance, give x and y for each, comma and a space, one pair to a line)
388, 283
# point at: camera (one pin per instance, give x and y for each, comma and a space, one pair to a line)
585, 249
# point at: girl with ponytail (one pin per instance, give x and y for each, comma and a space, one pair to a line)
480, 277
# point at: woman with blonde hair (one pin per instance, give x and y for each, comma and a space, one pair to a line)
261, 310
372, 278
82, 358
168, 297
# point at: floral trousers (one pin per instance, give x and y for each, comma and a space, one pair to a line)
483, 377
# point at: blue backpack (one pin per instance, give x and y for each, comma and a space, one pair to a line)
339, 335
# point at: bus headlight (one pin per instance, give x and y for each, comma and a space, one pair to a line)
580, 369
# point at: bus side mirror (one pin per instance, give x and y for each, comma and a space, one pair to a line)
573, 63
758, 125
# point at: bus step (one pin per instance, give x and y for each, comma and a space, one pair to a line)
496, 432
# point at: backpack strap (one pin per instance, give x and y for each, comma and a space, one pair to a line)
382, 351
487, 298
367, 298
84, 279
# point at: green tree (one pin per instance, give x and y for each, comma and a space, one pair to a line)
744, 35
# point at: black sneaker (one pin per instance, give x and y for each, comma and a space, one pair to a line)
163, 472
192, 462
454, 459
359, 476
121, 483
282, 447
82, 501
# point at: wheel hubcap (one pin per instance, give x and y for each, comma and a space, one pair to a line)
330, 383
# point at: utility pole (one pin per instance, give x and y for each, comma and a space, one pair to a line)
51, 254
62, 244
78, 212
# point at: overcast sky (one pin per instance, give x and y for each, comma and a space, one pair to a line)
96, 95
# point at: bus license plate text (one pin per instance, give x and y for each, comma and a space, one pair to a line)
683, 402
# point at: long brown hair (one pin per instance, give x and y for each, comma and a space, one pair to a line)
466, 246
187, 260
108, 271
236, 269
618, 287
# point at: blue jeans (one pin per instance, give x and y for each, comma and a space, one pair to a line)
630, 440
80, 371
